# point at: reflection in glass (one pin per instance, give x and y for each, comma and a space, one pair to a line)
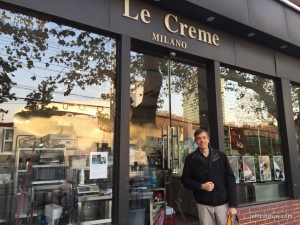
168, 103
251, 129
250, 110
295, 92
57, 97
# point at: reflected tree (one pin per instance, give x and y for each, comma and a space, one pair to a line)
147, 72
38, 101
254, 93
85, 60
151, 73
83, 57
295, 90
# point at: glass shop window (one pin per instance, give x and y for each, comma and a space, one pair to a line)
252, 136
57, 109
295, 92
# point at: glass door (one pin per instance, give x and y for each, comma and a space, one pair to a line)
168, 103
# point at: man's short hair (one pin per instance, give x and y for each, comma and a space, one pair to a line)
200, 131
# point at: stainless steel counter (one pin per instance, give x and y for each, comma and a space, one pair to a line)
91, 198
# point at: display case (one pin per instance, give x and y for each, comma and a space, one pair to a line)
36, 166
94, 209
39, 180
94, 205
42, 180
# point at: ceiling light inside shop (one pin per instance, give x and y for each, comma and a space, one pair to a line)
251, 34
283, 46
210, 19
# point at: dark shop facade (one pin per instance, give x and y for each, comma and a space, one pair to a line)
100, 100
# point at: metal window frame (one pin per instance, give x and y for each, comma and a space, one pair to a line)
120, 206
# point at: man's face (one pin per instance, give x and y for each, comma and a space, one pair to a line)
202, 140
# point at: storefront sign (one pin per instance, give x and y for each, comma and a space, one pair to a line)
174, 26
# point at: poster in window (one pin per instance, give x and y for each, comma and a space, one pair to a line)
278, 168
98, 165
264, 168
249, 169
233, 161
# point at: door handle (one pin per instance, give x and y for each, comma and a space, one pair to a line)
163, 136
169, 147
173, 148
166, 141
178, 147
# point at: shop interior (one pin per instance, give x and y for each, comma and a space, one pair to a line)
58, 169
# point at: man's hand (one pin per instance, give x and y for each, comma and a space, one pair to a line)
232, 211
208, 186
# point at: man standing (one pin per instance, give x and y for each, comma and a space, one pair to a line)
207, 172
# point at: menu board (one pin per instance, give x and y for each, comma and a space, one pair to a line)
233, 161
278, 168
264, 168
249, 169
